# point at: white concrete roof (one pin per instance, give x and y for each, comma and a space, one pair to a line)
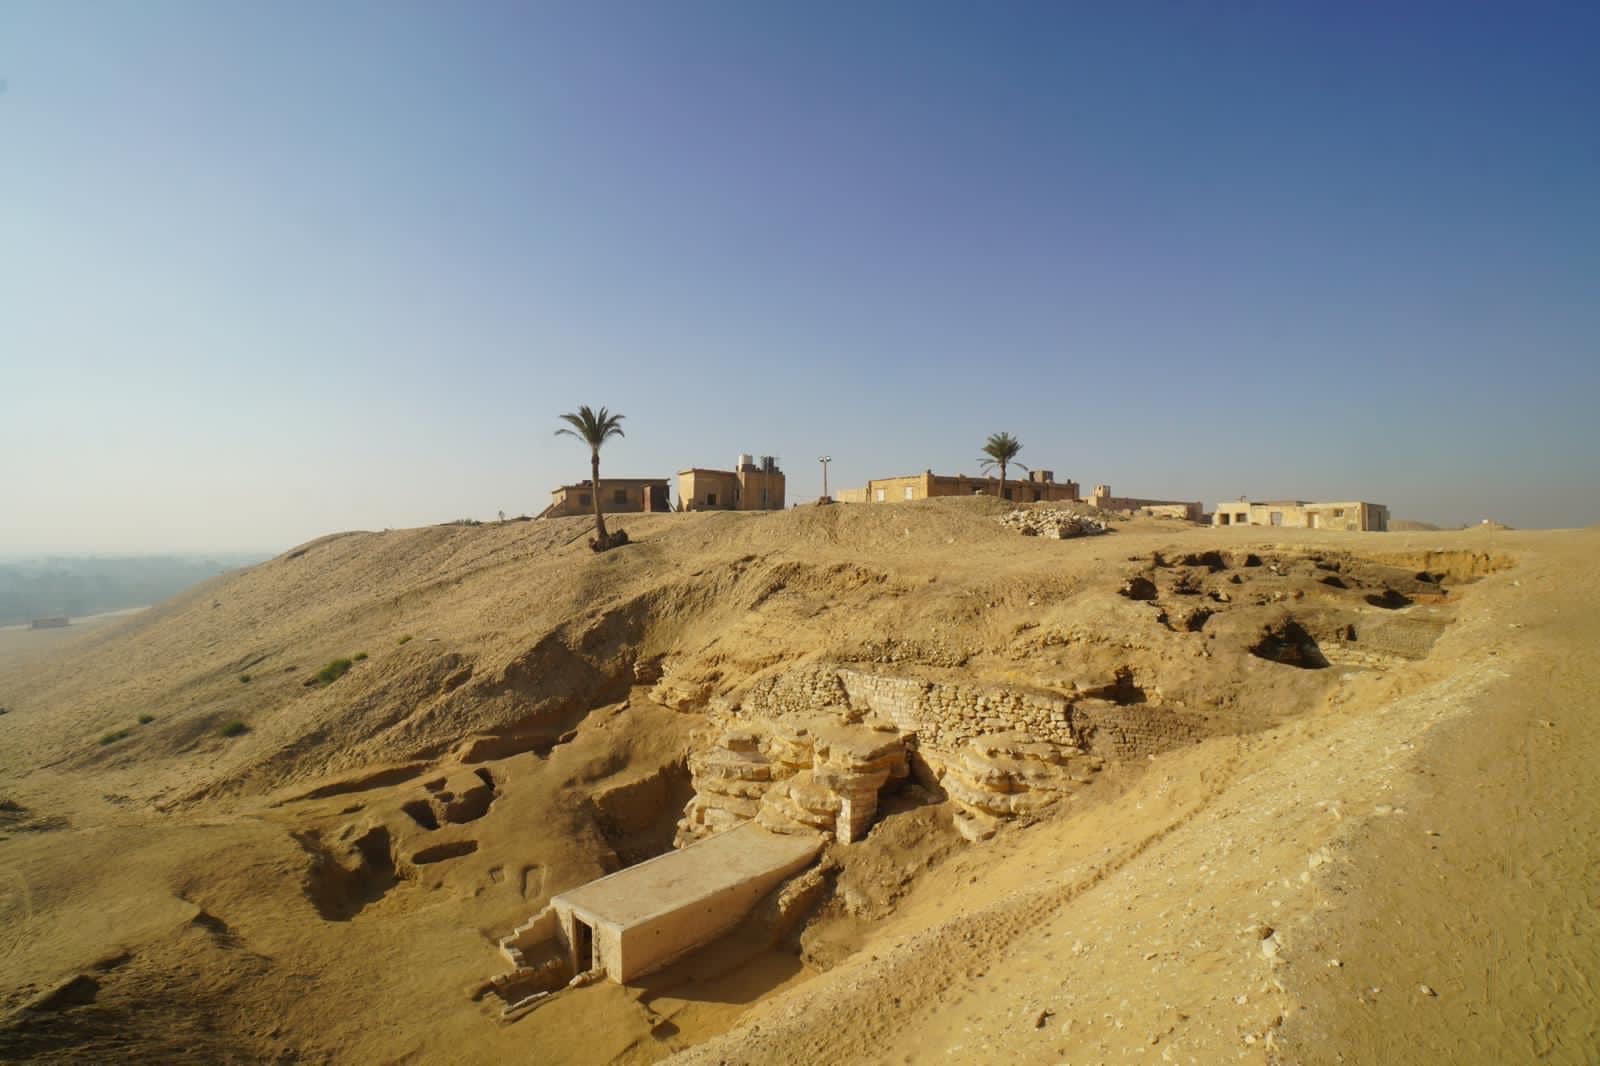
679, 878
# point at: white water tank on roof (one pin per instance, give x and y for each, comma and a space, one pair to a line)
745, 460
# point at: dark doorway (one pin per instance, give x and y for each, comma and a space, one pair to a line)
583, 946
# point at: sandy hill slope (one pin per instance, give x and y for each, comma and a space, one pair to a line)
1327, 770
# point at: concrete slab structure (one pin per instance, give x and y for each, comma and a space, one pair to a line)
640, 919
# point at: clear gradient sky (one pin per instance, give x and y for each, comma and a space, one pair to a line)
276, 269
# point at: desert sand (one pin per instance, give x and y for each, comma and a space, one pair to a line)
1375, 838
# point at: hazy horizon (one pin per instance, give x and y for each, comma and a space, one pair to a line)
287, 270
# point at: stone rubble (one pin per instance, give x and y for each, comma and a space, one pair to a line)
1051, 522
822, 775
1010, 775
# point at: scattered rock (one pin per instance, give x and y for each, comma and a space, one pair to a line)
1138, 588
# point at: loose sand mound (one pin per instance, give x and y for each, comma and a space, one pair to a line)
1331, 769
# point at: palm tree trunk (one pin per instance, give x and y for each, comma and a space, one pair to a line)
599, 519
1002, 479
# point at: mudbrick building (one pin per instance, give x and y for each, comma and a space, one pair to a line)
1298, 514
750, 486
1192, 510
1039, 486
618, 495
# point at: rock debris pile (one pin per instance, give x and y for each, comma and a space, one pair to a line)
821, 776
1011, 775
1050, 522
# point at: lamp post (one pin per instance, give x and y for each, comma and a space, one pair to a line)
825, 460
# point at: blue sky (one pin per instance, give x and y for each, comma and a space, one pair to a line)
273, 270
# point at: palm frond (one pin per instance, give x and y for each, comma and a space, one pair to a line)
592, 427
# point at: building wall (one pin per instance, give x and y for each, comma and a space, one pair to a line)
761, 490
928, 484
636, 495
1192, 510
897, 489
665, 938
1349, 516
750, 489
630, 948
703, 490
944, 715
606, 939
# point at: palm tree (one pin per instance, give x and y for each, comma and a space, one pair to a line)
1000, 450
594, 429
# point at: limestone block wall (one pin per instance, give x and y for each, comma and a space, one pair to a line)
1134, 731
946, 715
1010, 775
730, 779
821, 776
800, 692
1000, 753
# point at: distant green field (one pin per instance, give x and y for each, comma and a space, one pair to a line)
19, 643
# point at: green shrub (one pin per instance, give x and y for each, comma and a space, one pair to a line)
331, 673
146, 719
112, 738
405, 638
360, 655
234, 728
244, 679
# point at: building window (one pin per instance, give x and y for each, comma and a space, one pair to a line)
583, 499
908, 492
619, 496
711, 499
878, 495
1276, 518
1338, 512
1222, 519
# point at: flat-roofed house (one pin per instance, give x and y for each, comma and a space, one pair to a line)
750, 486
1038, 486
618, 495
1353, 515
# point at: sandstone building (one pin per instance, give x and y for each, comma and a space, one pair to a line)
1298, 514
751, 486
618, 495
1038, 486
1191, 510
